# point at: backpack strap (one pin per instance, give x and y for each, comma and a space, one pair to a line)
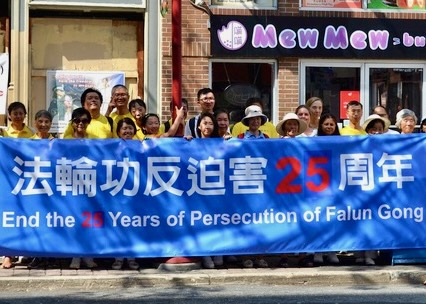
111, 123
166, 126
192, 127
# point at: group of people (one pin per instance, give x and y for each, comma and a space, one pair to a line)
129, 120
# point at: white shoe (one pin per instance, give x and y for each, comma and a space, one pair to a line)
248, 263
208, 262
261, 263
133, 265
218, 260
118, 264
75, 263
89, 262
332, 258
318, 258
369, 262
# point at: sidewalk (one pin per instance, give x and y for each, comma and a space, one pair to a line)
20, 278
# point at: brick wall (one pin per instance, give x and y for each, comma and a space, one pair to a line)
196, 46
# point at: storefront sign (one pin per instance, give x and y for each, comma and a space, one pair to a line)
64, 88
98, 3
4, 77
169, 197
332, 4
271, 36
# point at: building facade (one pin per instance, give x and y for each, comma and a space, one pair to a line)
287, 51
280, 51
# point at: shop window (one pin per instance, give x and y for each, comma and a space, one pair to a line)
334, 85
246, 4
393, 86
235, 82
396, 89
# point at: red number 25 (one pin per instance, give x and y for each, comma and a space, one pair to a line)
287, 184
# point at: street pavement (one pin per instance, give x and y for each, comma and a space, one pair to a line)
154, 273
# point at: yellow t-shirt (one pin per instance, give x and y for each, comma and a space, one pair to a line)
268, 128
116, 118
98, 128
24, 133
351, 131
35, 136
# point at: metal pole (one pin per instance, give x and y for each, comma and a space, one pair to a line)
177, 59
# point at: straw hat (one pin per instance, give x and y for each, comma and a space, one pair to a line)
372, 117
302, 124
253, 111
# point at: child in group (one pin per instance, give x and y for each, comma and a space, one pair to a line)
126, 129
151, 125
16, 115
42, 124
137, 108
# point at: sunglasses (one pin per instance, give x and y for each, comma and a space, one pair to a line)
84, 121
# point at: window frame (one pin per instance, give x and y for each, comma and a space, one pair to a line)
365, 66
274, 77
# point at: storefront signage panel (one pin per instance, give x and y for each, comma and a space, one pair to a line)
115, 3
266, 36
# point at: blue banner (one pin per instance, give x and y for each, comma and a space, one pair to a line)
172, 197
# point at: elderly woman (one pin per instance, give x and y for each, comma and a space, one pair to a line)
406, 121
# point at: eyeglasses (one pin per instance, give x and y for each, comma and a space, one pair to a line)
207, 99
120, 95
77, 121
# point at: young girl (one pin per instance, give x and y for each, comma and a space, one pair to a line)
16, 115
151, 125
42, 123
126, 129
137, 108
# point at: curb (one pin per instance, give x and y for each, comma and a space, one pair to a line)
103, 279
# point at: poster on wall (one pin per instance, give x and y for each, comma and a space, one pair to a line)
345, 98
4, 74
396, 4
64, 88
327, 4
